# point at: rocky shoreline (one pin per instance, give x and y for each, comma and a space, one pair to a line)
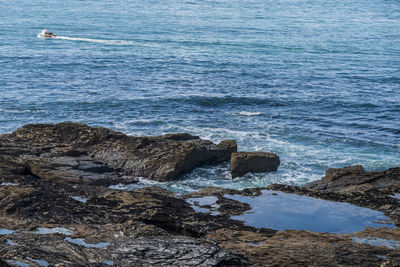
56, 207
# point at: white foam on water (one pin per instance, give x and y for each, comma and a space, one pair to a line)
248, 113
8, 184
143, 182
219, 176
92, 40
302, 161
103, 41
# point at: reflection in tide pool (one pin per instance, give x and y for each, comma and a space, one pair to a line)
284, 211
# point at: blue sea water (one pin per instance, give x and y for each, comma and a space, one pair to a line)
315, 81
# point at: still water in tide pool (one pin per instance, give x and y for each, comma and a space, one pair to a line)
317, 82
282, 211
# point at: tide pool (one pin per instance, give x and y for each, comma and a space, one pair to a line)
283, 211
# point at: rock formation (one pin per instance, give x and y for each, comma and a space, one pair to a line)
244, 162
354, 178
56, 208
70, 150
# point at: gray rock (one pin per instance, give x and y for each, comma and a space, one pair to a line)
244, 162
125, 251
177, 251
161, 158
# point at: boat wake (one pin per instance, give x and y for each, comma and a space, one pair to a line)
45, 35
110, 42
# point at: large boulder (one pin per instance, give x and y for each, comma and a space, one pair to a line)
244, 162
163, 158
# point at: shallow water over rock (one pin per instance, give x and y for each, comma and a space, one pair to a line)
40, 262
375, 241
396, 196
4, 231
59, 230
81, 242
283, 211
80, 199
206, 204
17, 263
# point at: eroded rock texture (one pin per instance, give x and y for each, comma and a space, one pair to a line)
354, 178
244, 162
98, 155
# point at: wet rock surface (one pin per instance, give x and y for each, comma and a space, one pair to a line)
56, 208
76, 151
121, 251
244, 162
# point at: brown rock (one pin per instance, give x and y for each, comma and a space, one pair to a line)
334, 173
355, 179
161, 158
244, 162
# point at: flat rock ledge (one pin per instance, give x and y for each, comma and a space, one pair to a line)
75, 151
255, 162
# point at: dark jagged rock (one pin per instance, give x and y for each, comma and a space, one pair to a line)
244, 162
354, 178
65, 151
122, 251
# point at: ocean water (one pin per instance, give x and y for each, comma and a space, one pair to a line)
315, 81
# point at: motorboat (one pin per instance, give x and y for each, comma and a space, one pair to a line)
46, 34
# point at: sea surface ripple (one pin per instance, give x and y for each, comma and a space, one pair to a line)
317, 82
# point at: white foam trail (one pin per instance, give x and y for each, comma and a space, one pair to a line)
247, 113
110, 42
